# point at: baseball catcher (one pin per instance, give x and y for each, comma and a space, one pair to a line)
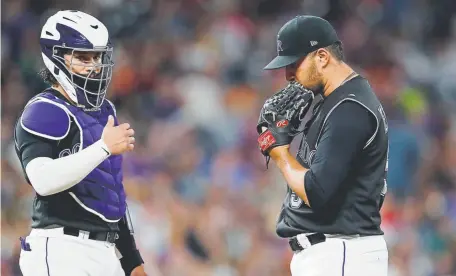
70, 145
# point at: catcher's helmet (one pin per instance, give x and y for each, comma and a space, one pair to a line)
66, 32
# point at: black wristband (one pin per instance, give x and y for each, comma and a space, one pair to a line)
131, 260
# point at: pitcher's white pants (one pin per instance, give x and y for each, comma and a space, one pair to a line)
349, 256
52, 253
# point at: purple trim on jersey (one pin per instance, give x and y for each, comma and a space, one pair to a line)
46, 120
343, 260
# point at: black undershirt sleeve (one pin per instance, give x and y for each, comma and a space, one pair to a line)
126, 245
344, 135
30, 146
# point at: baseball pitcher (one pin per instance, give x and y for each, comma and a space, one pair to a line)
336, 182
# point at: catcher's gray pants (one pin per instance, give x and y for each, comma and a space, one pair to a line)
342, 256
49, 252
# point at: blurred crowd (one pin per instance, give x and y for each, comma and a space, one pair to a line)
189, 78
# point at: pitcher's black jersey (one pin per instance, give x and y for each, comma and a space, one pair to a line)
345, 148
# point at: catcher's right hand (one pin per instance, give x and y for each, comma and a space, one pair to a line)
282, 115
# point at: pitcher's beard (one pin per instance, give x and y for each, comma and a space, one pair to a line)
317, 89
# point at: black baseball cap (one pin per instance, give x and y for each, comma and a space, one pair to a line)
301, 36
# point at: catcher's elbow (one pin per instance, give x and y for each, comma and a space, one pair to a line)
44, 189
41, 190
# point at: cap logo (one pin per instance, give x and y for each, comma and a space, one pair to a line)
313, 43
279, 46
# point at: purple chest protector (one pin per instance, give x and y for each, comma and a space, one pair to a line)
101, 192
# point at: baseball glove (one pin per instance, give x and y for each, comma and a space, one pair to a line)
281, 116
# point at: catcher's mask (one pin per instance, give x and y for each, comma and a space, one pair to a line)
92, 78
70, 32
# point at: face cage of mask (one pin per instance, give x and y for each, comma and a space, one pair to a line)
105, 73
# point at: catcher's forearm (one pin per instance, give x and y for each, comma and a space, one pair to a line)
50, 176
292, 171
